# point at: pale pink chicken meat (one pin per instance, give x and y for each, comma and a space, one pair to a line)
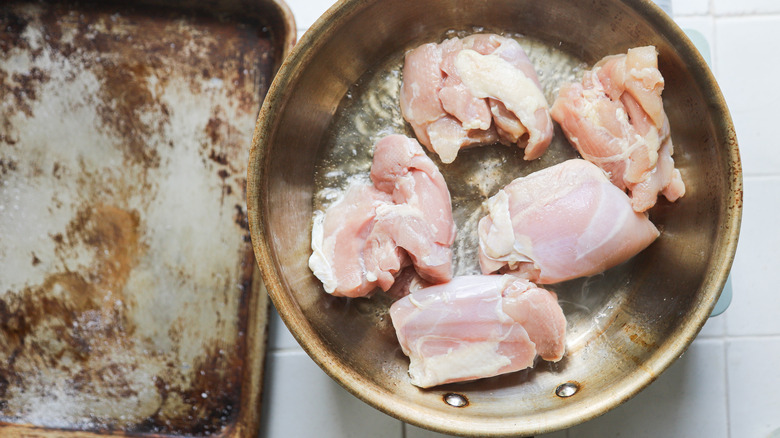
421, 220
560, 223
339, 238
473, 91
420, 102
405, 218
456, 99
401, 231
401, 168
477, 326
615, 119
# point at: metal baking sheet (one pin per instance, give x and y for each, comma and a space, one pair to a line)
129, 297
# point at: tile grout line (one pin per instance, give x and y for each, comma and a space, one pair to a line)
726, 379
773, 14
761, 176
767, 337
755, 15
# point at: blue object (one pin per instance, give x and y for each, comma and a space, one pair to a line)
724, 300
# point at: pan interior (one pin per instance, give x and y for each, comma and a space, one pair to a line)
339, 95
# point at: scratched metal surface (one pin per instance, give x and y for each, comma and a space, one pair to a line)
125, 259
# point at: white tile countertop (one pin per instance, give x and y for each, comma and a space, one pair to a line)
727, 384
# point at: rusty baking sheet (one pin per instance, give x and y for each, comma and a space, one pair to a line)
129, 297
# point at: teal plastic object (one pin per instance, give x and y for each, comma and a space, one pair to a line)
724, 300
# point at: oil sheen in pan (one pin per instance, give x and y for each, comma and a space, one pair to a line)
370, 110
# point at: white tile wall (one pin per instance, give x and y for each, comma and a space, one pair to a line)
714, 327
279, 338
754, 404
745, 73
306, 12
682, 8
416, 432
688, 400
726, 385
745, 7
302, 401
756, 311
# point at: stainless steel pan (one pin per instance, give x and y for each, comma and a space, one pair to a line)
625, 326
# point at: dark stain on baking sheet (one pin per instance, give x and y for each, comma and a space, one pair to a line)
125, 255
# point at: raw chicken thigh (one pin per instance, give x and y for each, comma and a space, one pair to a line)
615, 118
401, 169
560, 223
339, 238
404, 218
477, 326
473, 91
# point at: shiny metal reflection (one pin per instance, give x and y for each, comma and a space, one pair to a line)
456, 400
567, 389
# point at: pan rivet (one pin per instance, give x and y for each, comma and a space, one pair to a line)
456, 400
567, 389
